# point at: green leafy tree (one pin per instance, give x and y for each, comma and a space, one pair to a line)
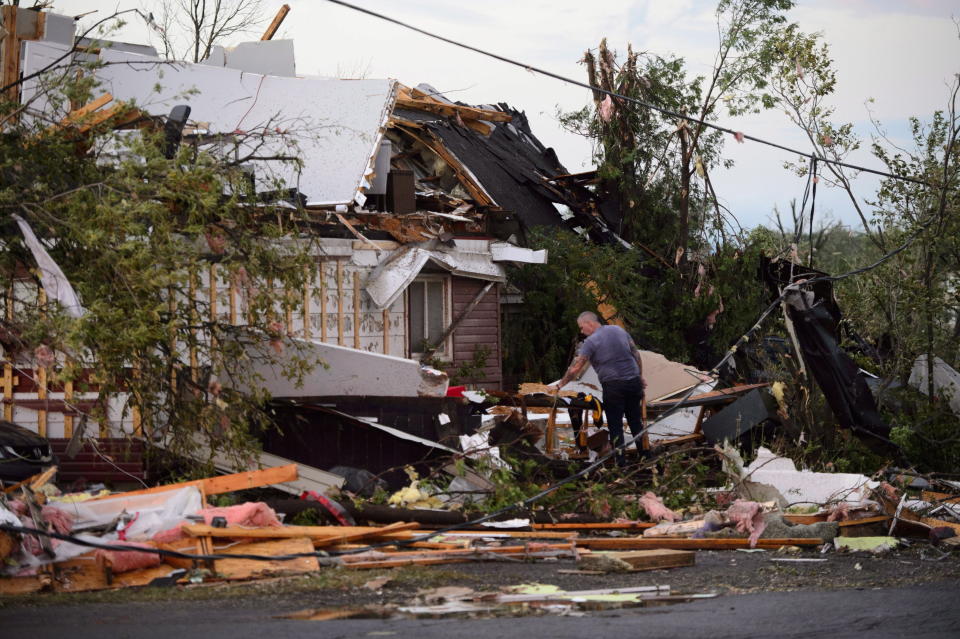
136, 233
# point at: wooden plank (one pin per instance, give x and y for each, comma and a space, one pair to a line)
275, 24
682, 439
386, 331
78, 115
83, 574
323, 302
34, 482
10, 49
68, 419
417, 99
396, 559
865, 520
656, 559
633, 525
340, 302
235, 569
649, 543
224, 483
321, 535
23, 585
249, 479
307, 279
518, 534
356, 310
935, 498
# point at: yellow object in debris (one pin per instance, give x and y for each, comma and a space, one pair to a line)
72, 498
411, 496
777, 390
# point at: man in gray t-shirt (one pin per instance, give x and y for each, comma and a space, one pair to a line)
612, 353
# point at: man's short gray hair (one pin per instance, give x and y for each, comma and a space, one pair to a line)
588, 316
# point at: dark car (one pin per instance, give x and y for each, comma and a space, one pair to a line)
22, 452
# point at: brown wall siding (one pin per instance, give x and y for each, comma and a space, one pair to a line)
480, 327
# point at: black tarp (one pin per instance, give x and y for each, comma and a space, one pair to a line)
816, 320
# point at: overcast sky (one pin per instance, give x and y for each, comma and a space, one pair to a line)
901, 53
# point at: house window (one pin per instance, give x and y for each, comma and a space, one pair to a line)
428, 313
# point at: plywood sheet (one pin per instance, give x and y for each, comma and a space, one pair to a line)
250, 568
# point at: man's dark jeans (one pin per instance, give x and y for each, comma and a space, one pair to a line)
622, 397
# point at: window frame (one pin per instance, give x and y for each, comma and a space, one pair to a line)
445, 350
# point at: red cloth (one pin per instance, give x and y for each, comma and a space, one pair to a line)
455, 391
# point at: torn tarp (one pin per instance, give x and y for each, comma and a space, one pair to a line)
55, 283
816, 320
840, 379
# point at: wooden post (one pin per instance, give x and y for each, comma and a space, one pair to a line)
8, 365
41, 375
356, 310
277, 20
194, 318
213, 293
135, 412
340, 302
386, 331
67, 399
11, 53
306, 301
288, 312
323, 301
233, 300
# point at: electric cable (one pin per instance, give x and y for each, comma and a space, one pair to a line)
614, 94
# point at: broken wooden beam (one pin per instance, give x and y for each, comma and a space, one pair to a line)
605, 525
275, 24
321, 535
648, 543
654, 559
223, 483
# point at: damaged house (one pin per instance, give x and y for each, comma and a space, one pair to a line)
418, 202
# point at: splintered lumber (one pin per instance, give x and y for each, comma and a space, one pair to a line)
657, 559
497, 532
649, 543
321, 535
630, 525
275, 24
396, 559
34, 481
250, 568
83, 573
416, 99
23, 585
936, 498
224, 483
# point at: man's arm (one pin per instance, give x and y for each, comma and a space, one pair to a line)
576, 368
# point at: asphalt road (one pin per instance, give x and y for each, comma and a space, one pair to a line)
929, 610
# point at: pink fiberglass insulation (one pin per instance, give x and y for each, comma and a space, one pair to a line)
61, 520
655, 508
748, 516
125, 560
252, 514
840, 512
